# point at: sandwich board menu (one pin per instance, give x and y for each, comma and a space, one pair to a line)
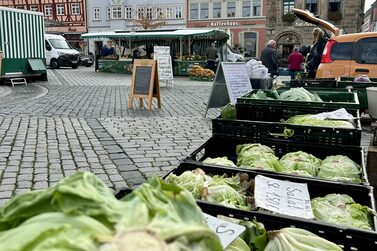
144, 83
231, 81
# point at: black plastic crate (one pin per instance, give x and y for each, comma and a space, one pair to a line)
325, 82
261, 130
360, 89
276, 110
349, 239
220, 146
360, 193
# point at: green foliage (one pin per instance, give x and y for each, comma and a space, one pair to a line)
288, 17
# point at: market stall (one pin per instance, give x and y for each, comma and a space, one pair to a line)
187, 46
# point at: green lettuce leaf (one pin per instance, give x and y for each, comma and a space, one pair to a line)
301, 161
257, 156
55, 231
310, 121
341, 168
341, 209
299, 94
221, 161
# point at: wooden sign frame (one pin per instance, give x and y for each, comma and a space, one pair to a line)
154, 86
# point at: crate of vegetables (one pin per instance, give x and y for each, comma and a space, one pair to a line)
336, 163
334, 203
326, 82
297, 129
269, 232
274, 105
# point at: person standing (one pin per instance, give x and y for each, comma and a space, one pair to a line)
294, 60
315, 54
211, 54
270, 59
135, 54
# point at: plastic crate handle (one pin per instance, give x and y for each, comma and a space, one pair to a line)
287, 133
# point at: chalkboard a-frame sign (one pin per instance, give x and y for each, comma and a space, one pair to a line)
145, 83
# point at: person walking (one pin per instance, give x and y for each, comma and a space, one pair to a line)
315, 54
294, 60
270, 59
211, 54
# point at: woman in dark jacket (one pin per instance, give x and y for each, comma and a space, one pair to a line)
315, 54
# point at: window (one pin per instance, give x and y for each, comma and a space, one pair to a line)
96, 14
246, 7
75, 7
368, 51
204, 11
160, 13
108, 13
34, 7
178, 11
194, 11
250, 41
48, 10
256, 7
60, 9
169, 12
140, 13
149, 13
288, 5
20, 7
216, 10
341, 51
116, 12
128, 12
231, 7
334, 5
311, 5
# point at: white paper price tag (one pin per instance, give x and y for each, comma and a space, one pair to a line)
283, 197
337, 114
226, 231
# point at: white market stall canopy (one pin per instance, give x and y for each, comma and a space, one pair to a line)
211, 34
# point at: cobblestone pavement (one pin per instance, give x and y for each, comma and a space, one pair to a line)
79, 120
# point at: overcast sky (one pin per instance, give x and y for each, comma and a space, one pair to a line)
367, 4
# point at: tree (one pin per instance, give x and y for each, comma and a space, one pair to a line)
147, 23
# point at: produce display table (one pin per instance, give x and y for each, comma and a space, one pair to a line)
182, 68
115, 66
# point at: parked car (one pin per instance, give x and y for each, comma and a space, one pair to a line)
345, 55
86, 60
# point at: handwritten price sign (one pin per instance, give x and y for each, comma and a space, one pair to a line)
226, 231
283, 197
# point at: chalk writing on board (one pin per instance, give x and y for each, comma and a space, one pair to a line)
142, 80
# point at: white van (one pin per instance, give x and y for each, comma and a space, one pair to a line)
60, 53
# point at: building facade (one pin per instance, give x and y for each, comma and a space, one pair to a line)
289, 32
64, 17
245, 21
128, 15
370, 19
